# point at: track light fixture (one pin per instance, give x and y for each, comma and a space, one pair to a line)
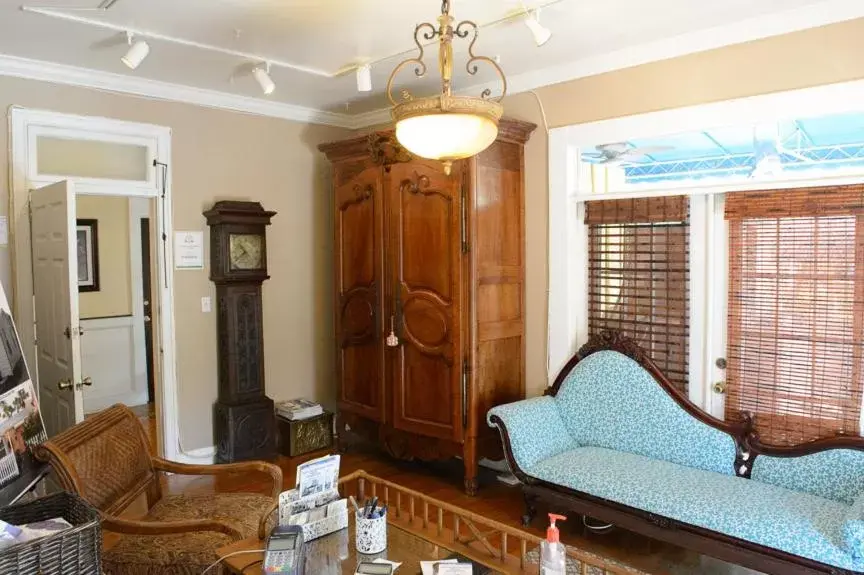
541, 33
364, 78
262, 76
136, 53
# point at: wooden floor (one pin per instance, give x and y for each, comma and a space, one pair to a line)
494, 500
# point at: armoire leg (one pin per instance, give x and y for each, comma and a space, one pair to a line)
469, 458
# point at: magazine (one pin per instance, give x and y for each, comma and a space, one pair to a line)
294, 409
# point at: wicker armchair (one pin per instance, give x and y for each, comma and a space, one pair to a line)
106, 460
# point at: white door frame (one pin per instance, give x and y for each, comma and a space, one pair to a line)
25, 126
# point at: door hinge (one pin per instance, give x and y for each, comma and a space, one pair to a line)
466, 375
466, 246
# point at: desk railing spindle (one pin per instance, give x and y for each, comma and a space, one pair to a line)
440, 520
425, 514
523, 548
411, 509
398, 504
503, 546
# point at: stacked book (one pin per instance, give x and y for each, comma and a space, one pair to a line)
295, 409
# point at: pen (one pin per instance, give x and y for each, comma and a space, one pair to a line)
373, 507
384, 510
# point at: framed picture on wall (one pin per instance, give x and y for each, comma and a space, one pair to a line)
88, 255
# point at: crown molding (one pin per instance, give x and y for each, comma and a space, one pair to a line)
821, 14
157, 90
751, 29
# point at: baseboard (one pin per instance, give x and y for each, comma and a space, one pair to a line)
200, 456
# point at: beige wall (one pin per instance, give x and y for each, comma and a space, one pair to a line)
224, 155
221, 155
114, 297
804, 59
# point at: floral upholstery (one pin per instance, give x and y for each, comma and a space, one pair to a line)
535, 428
608, 400
798, 523
852, 529
836, 474
613, 432
185, 553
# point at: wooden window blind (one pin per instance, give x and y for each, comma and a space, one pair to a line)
638, 276
796, 312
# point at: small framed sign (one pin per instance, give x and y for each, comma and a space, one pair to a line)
88, 255
189, 250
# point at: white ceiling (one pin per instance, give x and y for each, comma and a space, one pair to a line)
590, 36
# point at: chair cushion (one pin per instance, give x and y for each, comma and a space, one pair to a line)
186, 553
834, 474
609, 400
798, 523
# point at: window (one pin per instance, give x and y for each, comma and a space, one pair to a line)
638, 276
795, 338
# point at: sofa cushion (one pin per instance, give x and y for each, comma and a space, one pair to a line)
609, 400
535, 429
852, 529
834, 474
798, 523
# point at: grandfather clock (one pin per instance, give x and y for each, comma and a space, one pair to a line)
245, 425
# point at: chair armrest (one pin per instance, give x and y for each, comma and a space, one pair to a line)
262, 525
531, 430
218, 469
852, 528
133, 527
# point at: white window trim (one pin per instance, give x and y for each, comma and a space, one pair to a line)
25, 124
566, 321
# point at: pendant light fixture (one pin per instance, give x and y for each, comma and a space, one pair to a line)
138, 50
446, 127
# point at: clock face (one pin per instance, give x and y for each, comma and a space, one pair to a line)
246, 251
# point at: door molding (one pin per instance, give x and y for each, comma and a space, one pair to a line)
25, 124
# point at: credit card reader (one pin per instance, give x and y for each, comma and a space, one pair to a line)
285, 550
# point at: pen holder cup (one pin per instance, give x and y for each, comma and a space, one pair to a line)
370, 535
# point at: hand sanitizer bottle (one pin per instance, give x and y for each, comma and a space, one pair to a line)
553, 557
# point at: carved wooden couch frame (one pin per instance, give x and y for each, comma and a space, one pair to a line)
702, 540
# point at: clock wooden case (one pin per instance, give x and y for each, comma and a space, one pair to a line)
429, 294
244, 421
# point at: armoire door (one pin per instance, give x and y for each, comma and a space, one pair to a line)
358, 273
423, 223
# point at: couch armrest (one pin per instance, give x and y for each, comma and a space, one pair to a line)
534, 430
852, 528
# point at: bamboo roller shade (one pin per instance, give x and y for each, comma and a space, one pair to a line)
795, 340
638, 276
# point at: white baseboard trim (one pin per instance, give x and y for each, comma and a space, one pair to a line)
200, 456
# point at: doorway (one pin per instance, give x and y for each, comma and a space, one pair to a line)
114, 275
47, 149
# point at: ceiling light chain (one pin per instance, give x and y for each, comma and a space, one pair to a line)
446, 127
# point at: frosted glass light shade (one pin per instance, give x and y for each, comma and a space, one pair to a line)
446, 136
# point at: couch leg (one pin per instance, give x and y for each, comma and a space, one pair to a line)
530, 510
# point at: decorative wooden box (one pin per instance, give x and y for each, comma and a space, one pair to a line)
305, 435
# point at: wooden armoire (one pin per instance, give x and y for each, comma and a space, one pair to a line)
429, 294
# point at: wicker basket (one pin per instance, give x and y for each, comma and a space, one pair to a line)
71, 552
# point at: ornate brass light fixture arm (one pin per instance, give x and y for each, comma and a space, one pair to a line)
420, 70
462, 30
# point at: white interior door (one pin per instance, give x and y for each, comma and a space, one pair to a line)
55, 288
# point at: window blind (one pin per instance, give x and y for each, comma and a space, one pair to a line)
796, 312
638, 276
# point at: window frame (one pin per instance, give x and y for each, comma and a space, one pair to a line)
709, 234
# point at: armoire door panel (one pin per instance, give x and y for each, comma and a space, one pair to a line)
424, 230
359, 258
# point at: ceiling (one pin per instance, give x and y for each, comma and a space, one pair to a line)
589, 36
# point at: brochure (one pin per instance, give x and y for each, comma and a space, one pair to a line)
317, 476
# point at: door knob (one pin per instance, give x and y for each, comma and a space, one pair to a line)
64, 384
146, 319
719, 387
88, 381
